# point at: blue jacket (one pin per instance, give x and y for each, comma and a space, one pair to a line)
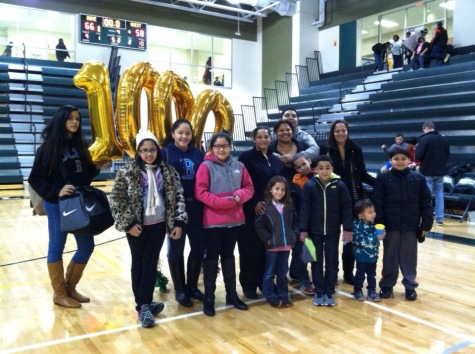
365, 241
277, 230
325, 208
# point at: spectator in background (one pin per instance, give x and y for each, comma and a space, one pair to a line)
421, 55
411, 42
433, 152
207, 73
61, 51
400, 144
439, 44
217, 82
8, 50
406, 51
396, 49
379, 50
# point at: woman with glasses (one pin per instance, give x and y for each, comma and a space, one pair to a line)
147, 202
180, 152
223, 185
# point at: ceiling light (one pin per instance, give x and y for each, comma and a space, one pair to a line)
449, 5
387, 23
364, 32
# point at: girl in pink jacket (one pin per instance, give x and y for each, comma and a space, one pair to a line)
223, 185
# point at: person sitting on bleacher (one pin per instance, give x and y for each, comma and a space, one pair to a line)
439, 44
399, 143
421, 55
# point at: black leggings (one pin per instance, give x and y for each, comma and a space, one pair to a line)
145, 251
221, 241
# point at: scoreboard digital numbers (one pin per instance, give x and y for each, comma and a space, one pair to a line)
113, 32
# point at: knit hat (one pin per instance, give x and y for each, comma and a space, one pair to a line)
144, 135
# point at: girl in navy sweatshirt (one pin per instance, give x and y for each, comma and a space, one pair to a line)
180, 152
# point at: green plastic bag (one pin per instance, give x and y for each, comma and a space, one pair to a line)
308, 253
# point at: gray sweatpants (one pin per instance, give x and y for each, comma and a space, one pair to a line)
400, 251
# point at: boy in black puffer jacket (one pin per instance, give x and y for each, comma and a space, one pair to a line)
403, 204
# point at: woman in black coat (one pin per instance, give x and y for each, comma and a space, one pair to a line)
262, 165
348, 163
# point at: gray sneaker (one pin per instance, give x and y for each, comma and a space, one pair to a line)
146, 317
318, 299
329, 300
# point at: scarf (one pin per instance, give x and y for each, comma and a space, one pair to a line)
153, 197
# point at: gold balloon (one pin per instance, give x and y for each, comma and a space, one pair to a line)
135, 78
93, 77
206, 101
168, 87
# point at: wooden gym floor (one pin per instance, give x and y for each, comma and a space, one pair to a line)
442, 320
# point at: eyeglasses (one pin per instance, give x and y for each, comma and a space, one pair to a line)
219, 147
148, 151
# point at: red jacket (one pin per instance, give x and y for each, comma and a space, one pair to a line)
216, 185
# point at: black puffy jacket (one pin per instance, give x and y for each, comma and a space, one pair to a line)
325, 208
402, 201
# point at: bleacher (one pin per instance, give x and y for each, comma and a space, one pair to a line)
380, 105
29, 95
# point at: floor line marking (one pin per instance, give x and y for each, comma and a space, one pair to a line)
468, 339
413, 318
457, 347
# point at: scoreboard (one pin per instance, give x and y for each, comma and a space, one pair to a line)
113, 32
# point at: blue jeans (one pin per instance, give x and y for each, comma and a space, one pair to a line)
436, 187
369, 269
378, 62
57, 238
277, 264
326, 248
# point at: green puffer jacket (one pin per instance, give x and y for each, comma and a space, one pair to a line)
126, 199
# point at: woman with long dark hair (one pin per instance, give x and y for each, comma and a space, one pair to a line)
147, 202
348, 163
63, 162
223, 185
262, 165
181, 153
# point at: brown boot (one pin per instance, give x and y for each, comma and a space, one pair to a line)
73, 275
60, 297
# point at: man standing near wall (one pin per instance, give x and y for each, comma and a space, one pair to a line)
433, 152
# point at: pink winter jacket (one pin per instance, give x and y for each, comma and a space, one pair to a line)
216, 185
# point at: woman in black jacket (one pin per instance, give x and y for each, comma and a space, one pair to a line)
61, 163
262, 165
348, 163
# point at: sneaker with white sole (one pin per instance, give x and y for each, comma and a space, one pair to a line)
374, 296
329, 300
318, 299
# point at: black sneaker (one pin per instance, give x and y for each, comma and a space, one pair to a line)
386, 293
146, 317
275, 302
411, 295
286, 302
156, 308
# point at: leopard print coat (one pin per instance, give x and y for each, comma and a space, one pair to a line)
126, 199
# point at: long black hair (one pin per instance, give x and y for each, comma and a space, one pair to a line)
56, 140
175, 126
331, 136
